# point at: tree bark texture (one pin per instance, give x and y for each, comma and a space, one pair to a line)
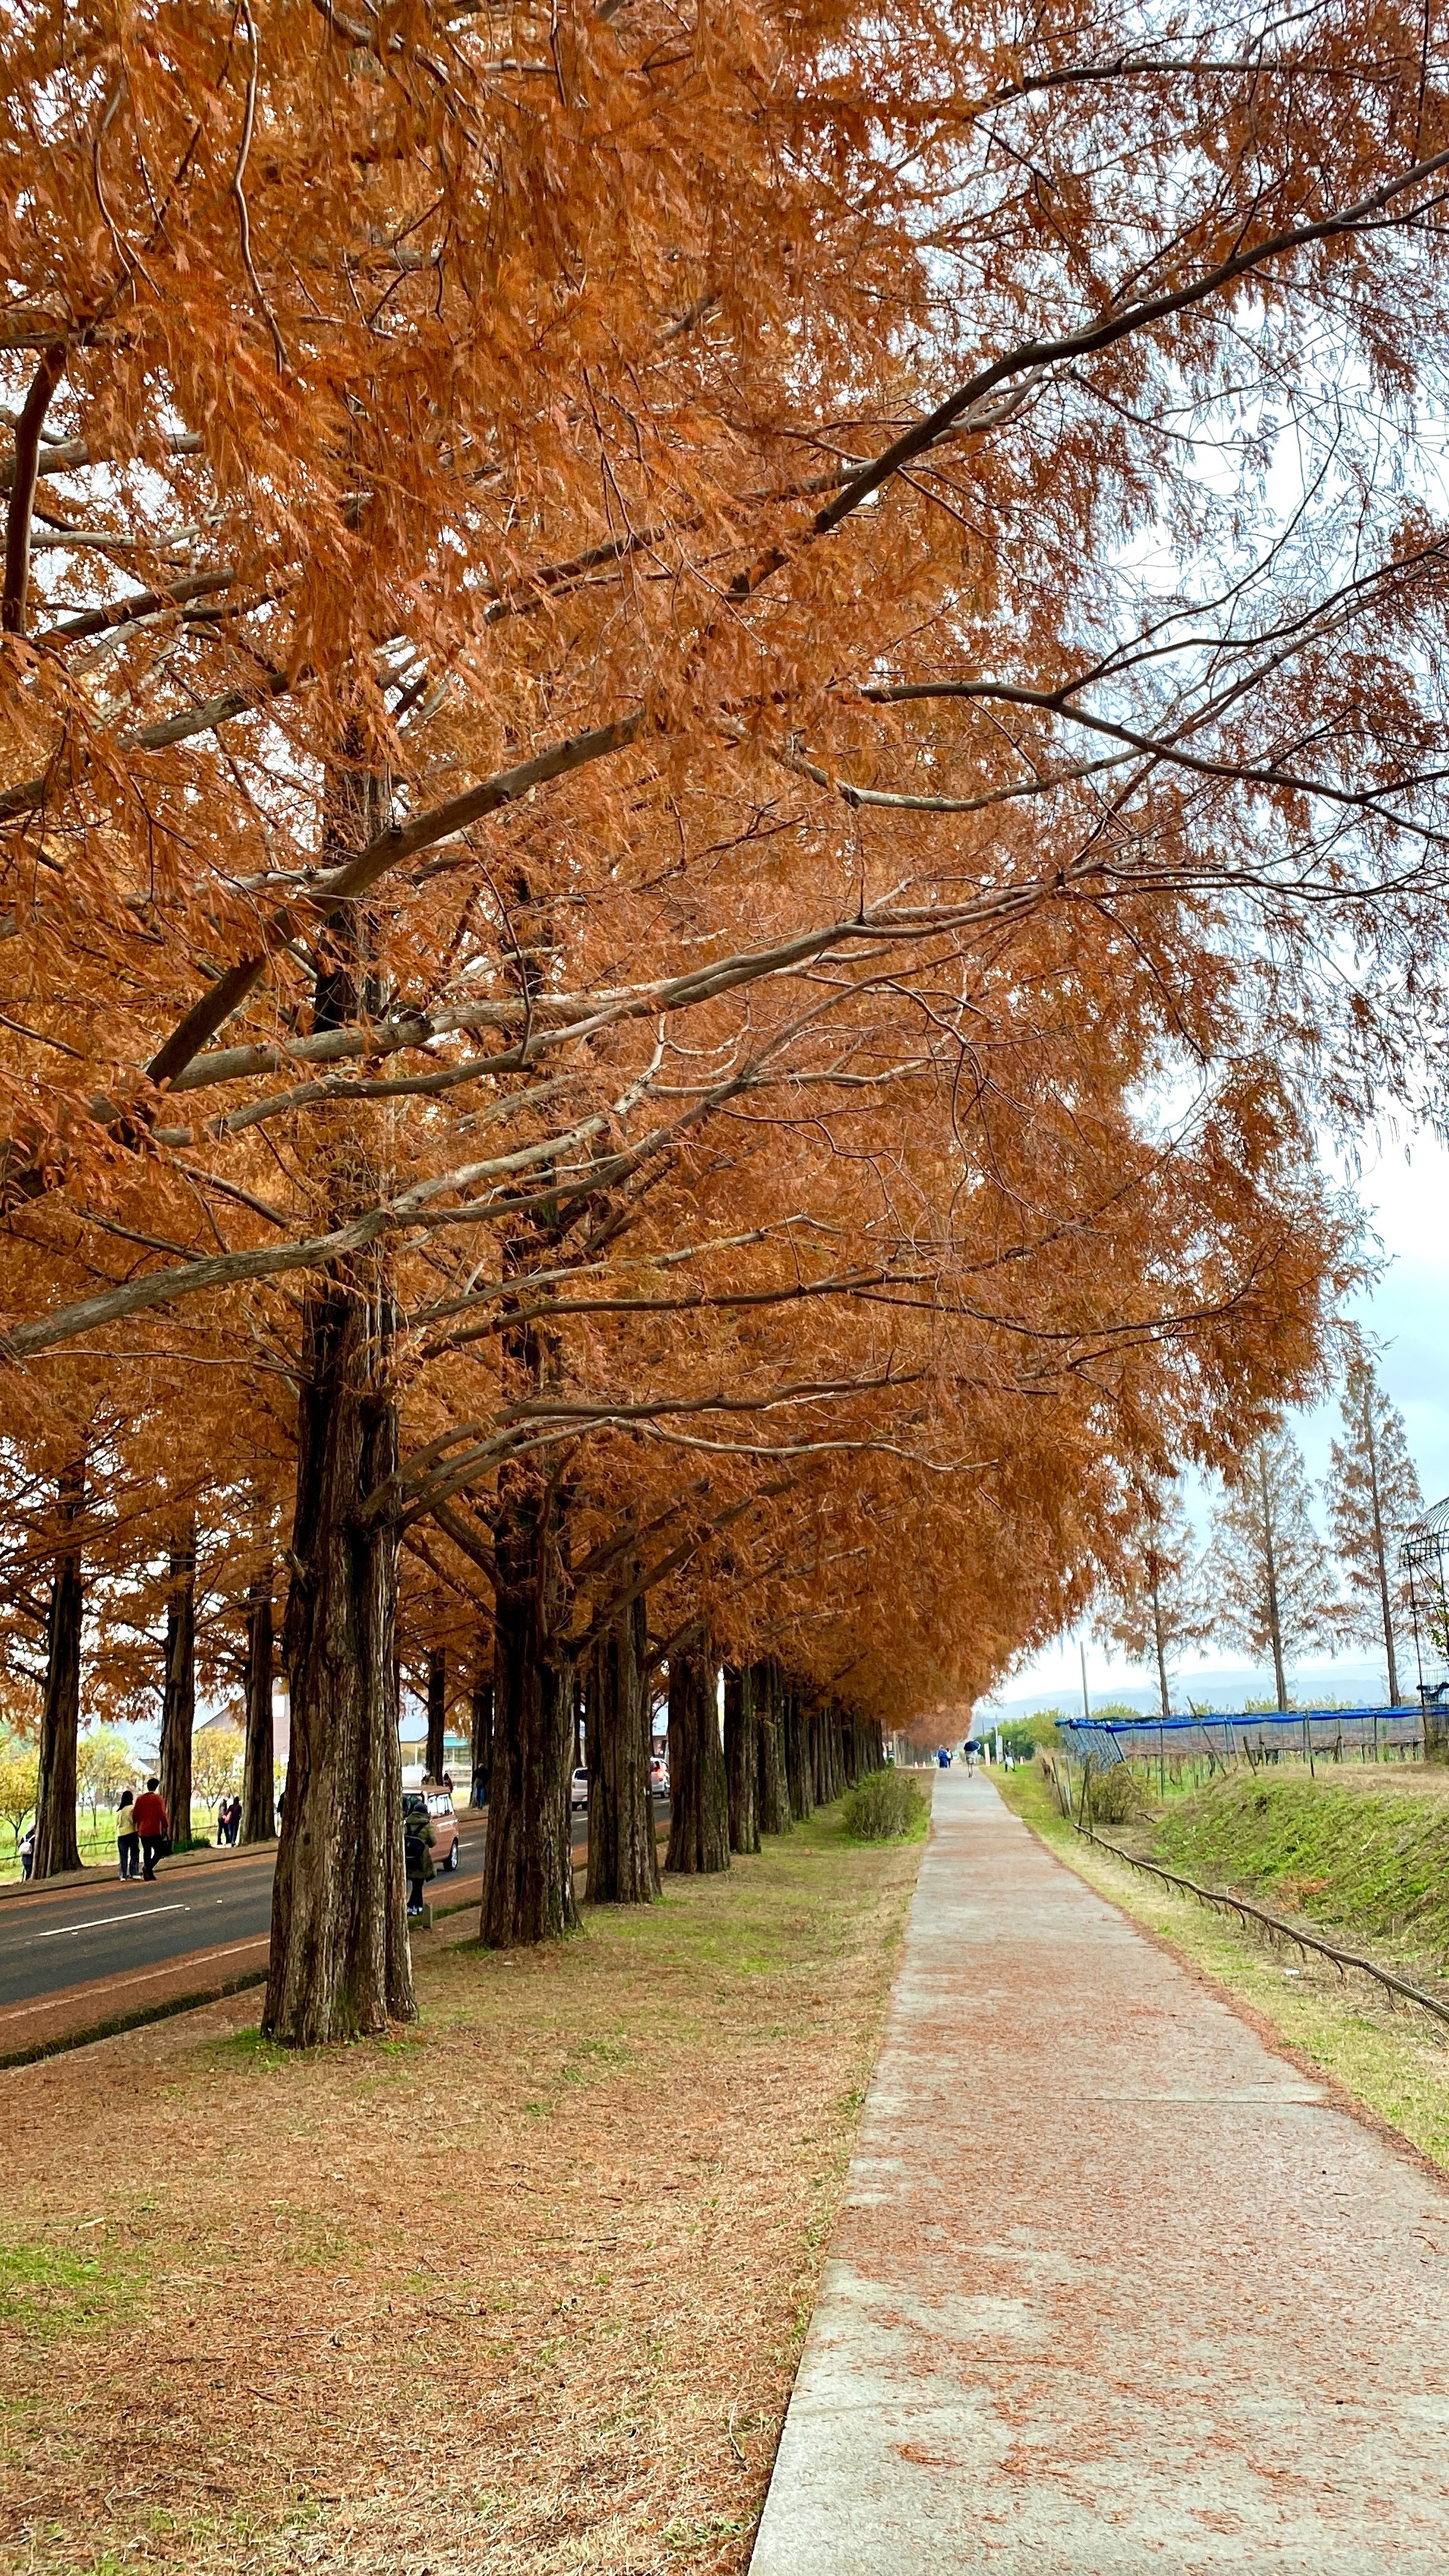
56, 1846
340, 1961
259, 1811
796, 1731
773, 1802
742, 1760
623, 1859
481, 1728
437, 1712
178, 1689
528, 1885
699, 1828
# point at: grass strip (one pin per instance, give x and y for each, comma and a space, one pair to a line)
517, 2292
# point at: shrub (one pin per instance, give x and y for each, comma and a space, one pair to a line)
885, 1807
1113, 1796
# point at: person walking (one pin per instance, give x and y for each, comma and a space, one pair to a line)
26, 1849
418, 1841
128, 1841
153, 1825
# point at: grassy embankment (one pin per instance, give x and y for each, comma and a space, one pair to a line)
1366, 1860
521, 2289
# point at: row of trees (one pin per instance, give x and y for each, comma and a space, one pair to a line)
1267, 1582
677, 886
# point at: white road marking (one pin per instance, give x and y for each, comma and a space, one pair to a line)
99, 1922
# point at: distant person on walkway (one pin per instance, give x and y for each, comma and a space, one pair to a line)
153, 1825
27, 1851
418, 1841
228, 1818
128, 1841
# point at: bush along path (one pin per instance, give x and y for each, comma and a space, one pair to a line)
1114, 2286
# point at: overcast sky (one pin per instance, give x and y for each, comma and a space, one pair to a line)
1405, 1192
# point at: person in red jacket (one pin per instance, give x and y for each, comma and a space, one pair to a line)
153, 1826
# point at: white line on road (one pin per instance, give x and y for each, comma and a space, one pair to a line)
99, 1922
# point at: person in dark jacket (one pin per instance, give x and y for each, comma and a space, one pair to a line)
153, 1825
418, 1841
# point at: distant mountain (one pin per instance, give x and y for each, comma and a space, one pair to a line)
1224, 1686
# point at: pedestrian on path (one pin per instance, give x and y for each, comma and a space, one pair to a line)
153, 1825
418, 1841
128, 1840
27, 1851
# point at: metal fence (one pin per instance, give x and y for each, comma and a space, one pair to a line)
1251, 1735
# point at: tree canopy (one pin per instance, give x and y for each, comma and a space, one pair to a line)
692, 833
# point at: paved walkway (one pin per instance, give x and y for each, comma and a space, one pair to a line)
1114, 2288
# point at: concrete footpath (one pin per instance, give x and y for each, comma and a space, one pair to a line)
1114, 2288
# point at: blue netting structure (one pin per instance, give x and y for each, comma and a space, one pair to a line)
1262, 1734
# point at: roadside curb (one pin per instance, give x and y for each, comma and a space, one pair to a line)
132, 2016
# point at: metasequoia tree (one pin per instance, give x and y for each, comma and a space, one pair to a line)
1267, 1571
1160, 1605
1373, 1496
458, 761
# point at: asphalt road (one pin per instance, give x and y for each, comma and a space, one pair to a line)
52, 1938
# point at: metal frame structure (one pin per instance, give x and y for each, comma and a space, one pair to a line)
1423, 1556
1260, 1735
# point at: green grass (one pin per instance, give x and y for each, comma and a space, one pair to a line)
47, 2291
1367, 1861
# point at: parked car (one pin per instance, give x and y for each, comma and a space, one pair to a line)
658, 1778
579, 1790
439, 1808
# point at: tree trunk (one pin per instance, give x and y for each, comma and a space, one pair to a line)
437, 1712
56, 1846
742, 1760
796, 1731
340, 1962
1386, 1612
1161, 1646
259, 1811
773, 1801
482, 1729
1270, 1571
699, 1807
528, 1885
623, 1860
178, 1693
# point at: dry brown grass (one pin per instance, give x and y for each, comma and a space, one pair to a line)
521, 2290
